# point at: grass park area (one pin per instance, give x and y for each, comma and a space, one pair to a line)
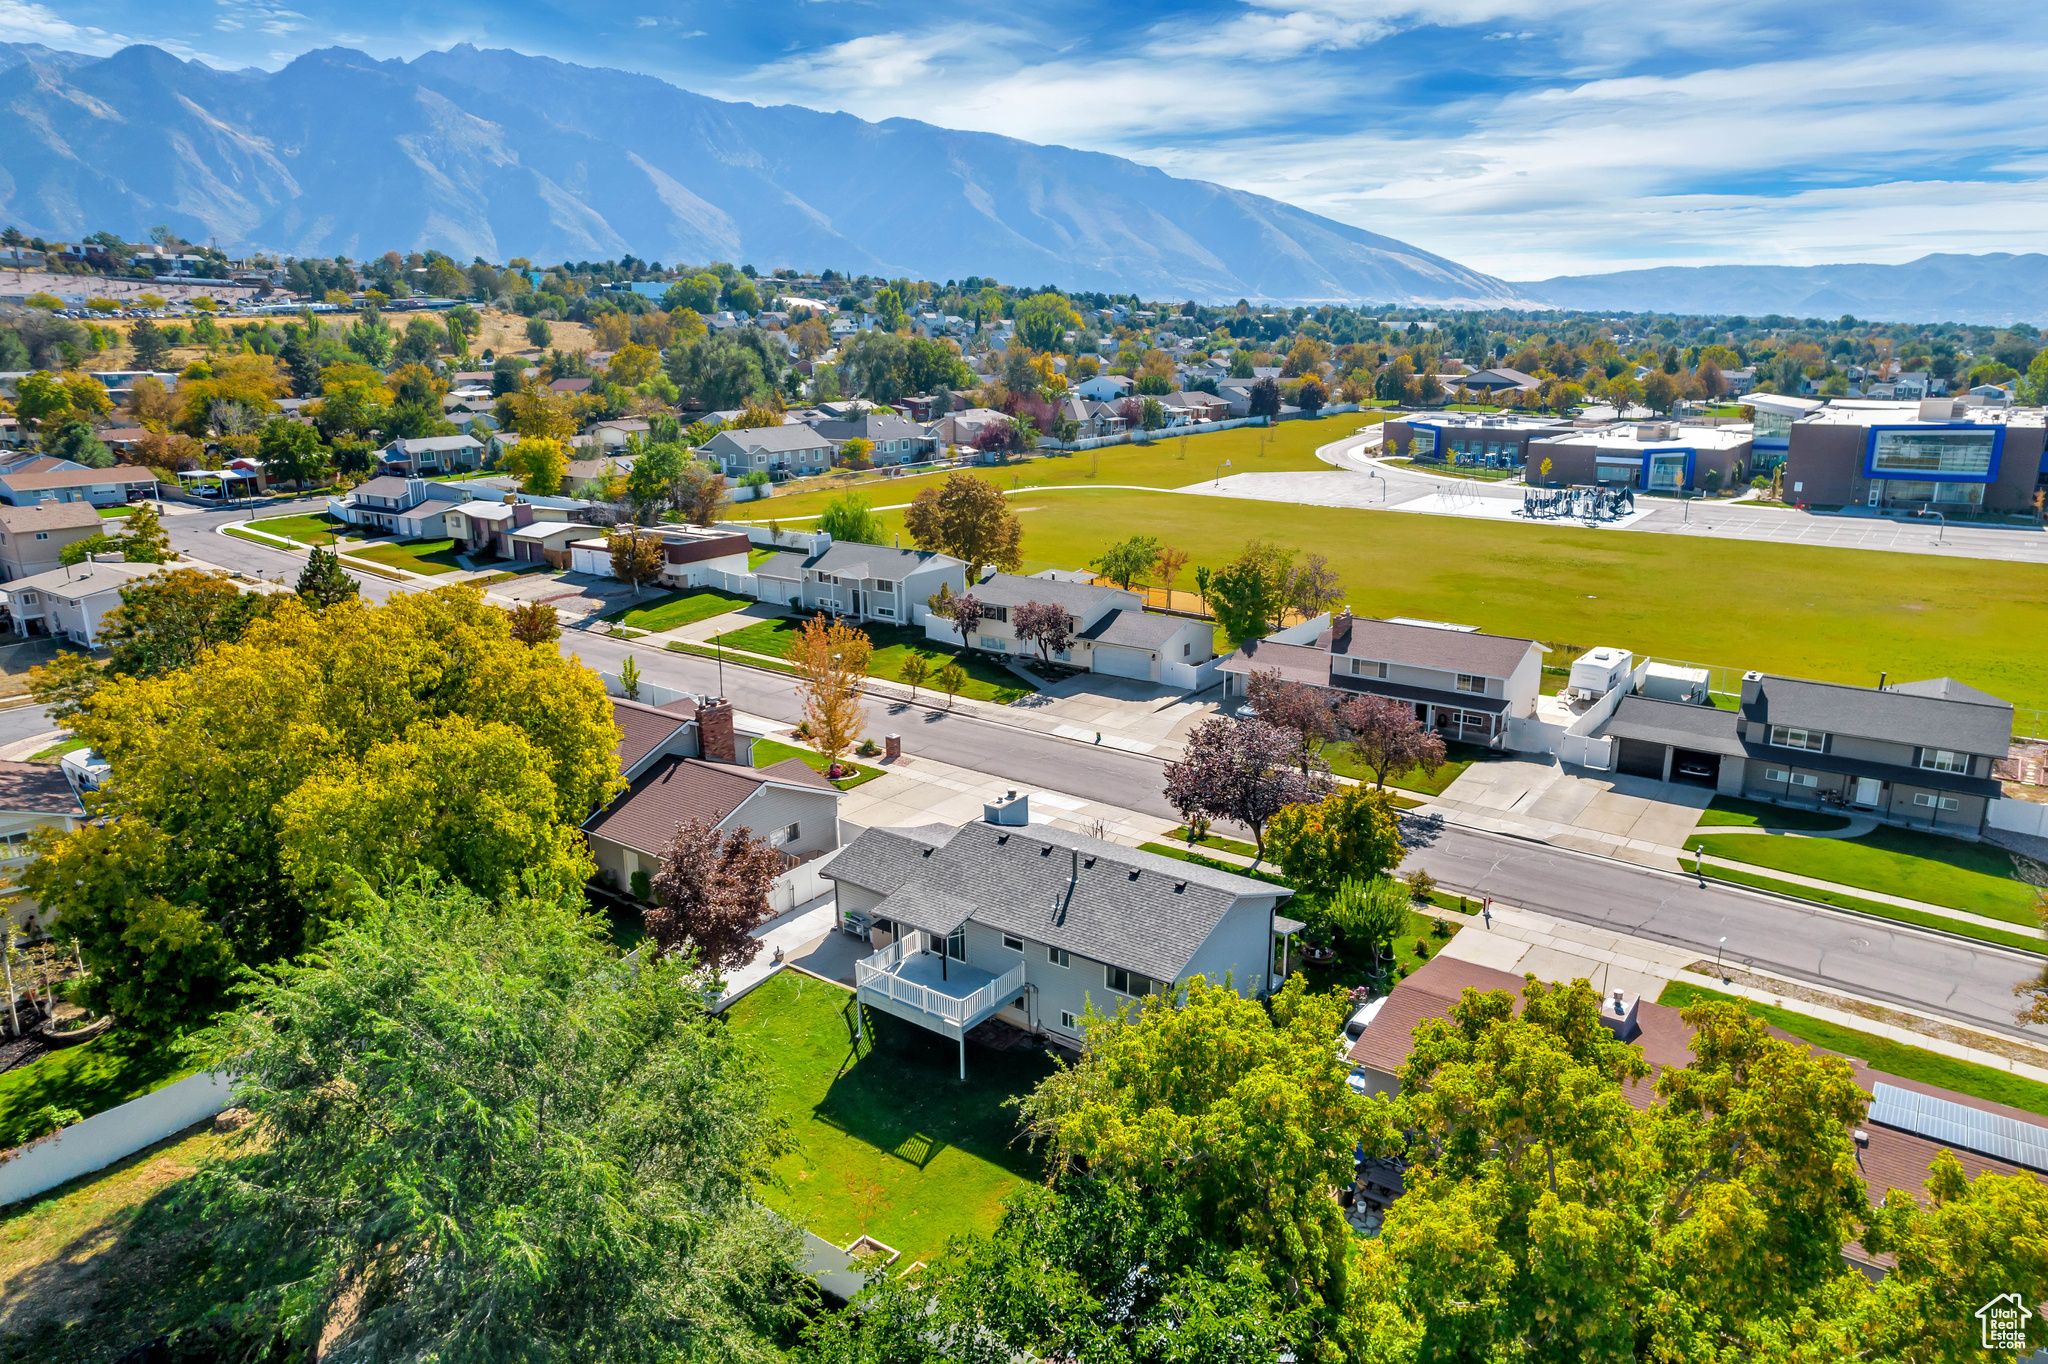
1976, 877
91, 1078
1800, 610
987, 680
1732, 811
890, 1141
1893, 1058
767, 753
418, 556
672, 610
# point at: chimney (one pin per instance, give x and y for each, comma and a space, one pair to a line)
1012, 810
714, 731
1618, 1015
1752, 683
511, 499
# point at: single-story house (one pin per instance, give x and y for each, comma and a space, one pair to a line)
548, 541
1187, 408
31, 538
70, 602
791, 448
587, 477
683, 761
100, 487
1463, 683
432, 454
570, 386
691, 556
614, 434
859, 582
482, 527
1113, 633
895, 439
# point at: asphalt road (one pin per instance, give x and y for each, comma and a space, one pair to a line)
1869, 958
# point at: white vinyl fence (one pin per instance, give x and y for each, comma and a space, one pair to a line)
106, 1137
2017, 817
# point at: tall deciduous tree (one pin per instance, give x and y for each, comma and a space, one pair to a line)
1045, 625
968, 518
165, 621
1172, 562
465, 1103
1388, 737
1128, 561
1294, 706
535, 623
852, 518
712, 893
1308, 588
1352, 832
1249, 593
831, 666
1244, 771
636, 559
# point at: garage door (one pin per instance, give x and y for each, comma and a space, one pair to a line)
1123, 662
1639, 759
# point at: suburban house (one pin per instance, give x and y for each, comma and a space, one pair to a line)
613, 434
896, 440
481, 527
1186, 408
960, 428
1913, 753
1909, 1123
1113, 634
70, 602
31, 538
100, 487
684, 761
32, 796
1463, 683
1948, 455
1105, 388
1005, 919
692, 556
587, 477
432, 454
859, 582
1091, 419
549, 541
791, 449
410, 507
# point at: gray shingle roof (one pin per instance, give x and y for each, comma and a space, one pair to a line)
1425, 646
1705, 728
1126, 908
1134, 629
774, 439
785, 567
38, 789
1902, 715
1009, 589
1294, 662
873, 561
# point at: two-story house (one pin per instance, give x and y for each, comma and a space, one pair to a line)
1113, 634
71, 602
793, 450
432, 454
32, 538
1462, 682
406, 507
859, 582
1002, 918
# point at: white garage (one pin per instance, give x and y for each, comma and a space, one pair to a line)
1116, 662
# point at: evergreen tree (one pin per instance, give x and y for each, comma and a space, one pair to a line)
324, 582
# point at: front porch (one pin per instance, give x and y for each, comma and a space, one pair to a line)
916, 981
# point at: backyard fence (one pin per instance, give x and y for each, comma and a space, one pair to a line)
104, 1138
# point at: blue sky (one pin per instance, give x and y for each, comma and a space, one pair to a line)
1523, 137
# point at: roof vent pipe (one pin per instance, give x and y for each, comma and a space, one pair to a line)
1880, 680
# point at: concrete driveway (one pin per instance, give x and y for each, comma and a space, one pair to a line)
571, 594
1632, 818
1139, 717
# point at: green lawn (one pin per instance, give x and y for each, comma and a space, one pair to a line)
2026, 942
671, 610
1179, 852
1831, 614
986, 679
1349, 969
1344, 761
676, 646
420, 556
98, 1075
57, 750
890, 1141
1757, 814
757, 555
1977, 877
113, 513
1229, 845
767, 753
1893, 1058
316, 529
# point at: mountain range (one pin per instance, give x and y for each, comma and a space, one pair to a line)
1994, 289
493, 153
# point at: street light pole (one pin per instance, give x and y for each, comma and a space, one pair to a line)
1718, 950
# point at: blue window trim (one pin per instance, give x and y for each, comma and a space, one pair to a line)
1870, 469
1691, 458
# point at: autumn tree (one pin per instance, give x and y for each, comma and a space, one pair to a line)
701, 493
1352, 832
916, 669
1243, 771
538, 463
950, 679
1387, 737
1308, 588
965, 613
534, 623
1172, 562
831, 662
167, 620
636, 559
711, 893
1043, 624
968, 518
1297, 707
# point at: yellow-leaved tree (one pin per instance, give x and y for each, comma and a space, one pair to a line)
831, 661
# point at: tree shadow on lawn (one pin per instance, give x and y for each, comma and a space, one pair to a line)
899, 1091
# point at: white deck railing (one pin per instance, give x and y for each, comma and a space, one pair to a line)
878, 973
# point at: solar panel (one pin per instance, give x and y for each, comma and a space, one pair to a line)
1953, 1124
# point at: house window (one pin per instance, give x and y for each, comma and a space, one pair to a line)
991, 643
1931, 802
1001, 613
1468, 683
885, 612
1069, 1022
1943, 760
1186, 650
1014, 944
1058, 956
42, 535
1127, 982
885, 585
1365, 667
1790, 778
956, 944
1811, 740
788, 833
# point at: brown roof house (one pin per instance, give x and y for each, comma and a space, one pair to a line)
32, 796
684, 760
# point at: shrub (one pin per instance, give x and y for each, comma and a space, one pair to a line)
643, 887
1420, 883
1422, 949
1439, 929
868, 748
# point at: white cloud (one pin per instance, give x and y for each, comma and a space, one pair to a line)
23, 22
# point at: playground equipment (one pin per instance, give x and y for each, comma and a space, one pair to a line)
1581, 502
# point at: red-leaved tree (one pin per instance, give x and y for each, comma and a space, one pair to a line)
965, 610
1296, 707
712, 893
1388, 737
1047, 626
1244, 771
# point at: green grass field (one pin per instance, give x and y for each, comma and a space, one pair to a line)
1802, 610
1756, 814
891, 1142
1976, 877
1893, 1058
671, 610
98, 1075
986, 680
767, 753
2026, 942
419, 556
318, 529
